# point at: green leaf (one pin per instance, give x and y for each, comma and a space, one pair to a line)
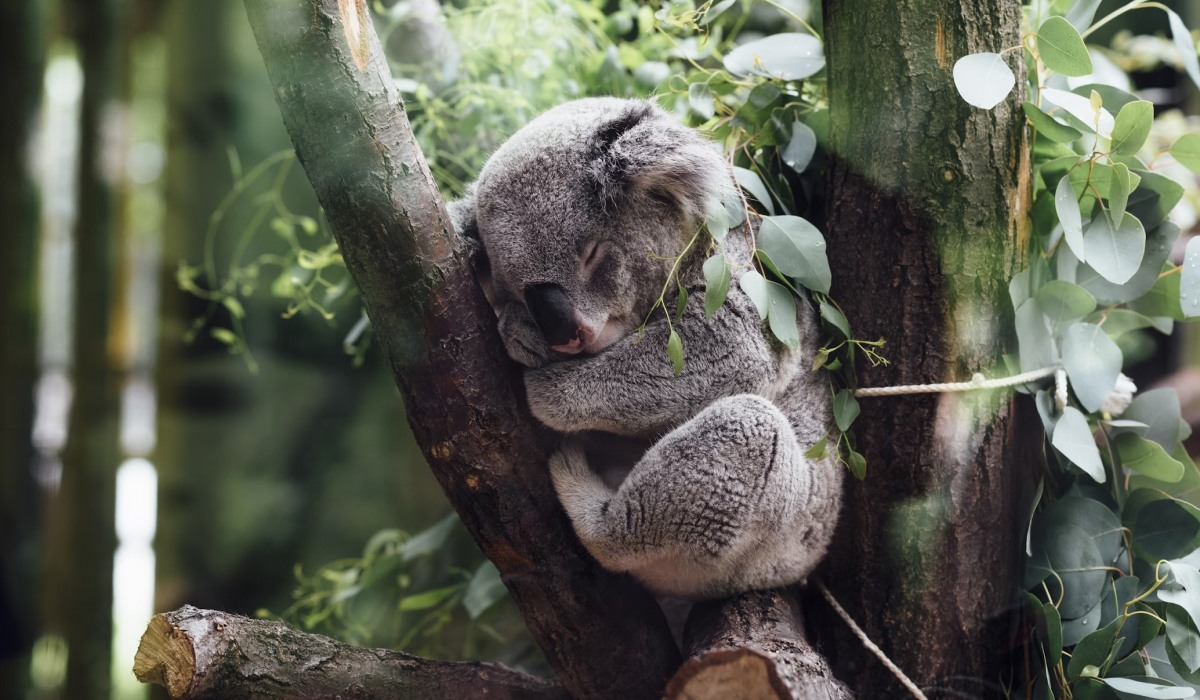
1186, 150
1161, 414
800, 148
1118, 322
1116, 252
1092, 361
1163, 299
224, 335
1067, 208
817, 451
835, 318
1036, 346
1093, 650
430, 540
1132, 127
1079, 111
675, 351
1061, 48
1189, 280
786, 56
1077, 628
1187, 47
427, 599
485, 590
1152, 201
750, 182
1147, 458
755, 287
1159, 243
681, 304
1186, 597
1048, 126
1118, 196
782, 314
1165, 529
1162, 690
700, 99
983, 79
715, 11
1073, 438
857, 464
845, 409
1089, 515
716, 284
1184, 636
1063, 301
1081, 13
1054, 633
798, 249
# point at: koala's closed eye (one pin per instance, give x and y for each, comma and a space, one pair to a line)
593, 255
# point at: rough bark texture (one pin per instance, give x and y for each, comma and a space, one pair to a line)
604, 636
198, 654
78, 602
21, 51
928, 204
752, 647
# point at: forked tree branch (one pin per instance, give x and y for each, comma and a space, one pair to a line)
604, 636
204, 654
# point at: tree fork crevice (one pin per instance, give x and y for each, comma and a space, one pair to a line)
604, 636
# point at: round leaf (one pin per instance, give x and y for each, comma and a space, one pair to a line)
983, 79
1073, 554
1132, 127
1186, 150
1034, 341
1147, 458
799, 151
798, 249
1092, 361
700, 99
1061, 48
1062, 301
783, 56
1165, 529
1115, 253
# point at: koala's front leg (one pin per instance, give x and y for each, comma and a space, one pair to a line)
632, 389
522, 339
725, 503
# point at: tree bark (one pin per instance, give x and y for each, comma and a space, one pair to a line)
197, 654
752, 647
928, 216
21, 53
603, 635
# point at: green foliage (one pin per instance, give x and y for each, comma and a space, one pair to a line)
1118, 508
402, 594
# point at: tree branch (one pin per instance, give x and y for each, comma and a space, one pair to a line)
603, 635
752, 646
198, 654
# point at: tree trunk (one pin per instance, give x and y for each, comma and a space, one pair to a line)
21, 53
928, 217
82, 541
197, 654
751, 647
604, 636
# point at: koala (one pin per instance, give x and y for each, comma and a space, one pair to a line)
580, 216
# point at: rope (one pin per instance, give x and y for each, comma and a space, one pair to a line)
866, 641
977, 382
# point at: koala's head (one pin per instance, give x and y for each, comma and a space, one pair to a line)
578, 209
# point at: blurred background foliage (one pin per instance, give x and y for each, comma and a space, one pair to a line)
192, 411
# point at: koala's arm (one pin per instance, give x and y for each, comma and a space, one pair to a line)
632, 389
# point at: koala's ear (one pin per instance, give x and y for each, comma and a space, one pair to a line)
644, 152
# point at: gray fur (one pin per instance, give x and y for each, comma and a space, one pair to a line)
724, 500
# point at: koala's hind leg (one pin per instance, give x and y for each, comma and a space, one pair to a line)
704, 510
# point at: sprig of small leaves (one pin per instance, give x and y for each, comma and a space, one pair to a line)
1113, 607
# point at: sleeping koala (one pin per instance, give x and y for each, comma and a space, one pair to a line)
581, 214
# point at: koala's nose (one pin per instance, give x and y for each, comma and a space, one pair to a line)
553, 313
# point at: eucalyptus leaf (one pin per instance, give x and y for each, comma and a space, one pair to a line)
798, 249
1184, 636
1162, 300
1189, 280
786, 56
1132, 127
1147, 458
1118, 197
485, 590
857, 464
799, 151
1093, 650
716, 284
750, 182
1062, 301
1081, 109
715, 11
1081, 13
1160, 412
1067, 208
428, 541
1152, 200
1073, 438
675, 351
1092, 361
700, 99
1048, 126
1118, 322
836, 319
983, 79
1187, 47
1035, 344
755, 287
1148, 689
782, 314
1062, 49
1165, 529
1091, 516
845, 409
1115, 252
1158, 248
1186, 150
1054, 633
427, 599
1075, 629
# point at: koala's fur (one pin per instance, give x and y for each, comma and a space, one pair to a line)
723, 500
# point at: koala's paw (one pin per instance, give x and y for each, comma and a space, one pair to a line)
569, 468
522, 340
